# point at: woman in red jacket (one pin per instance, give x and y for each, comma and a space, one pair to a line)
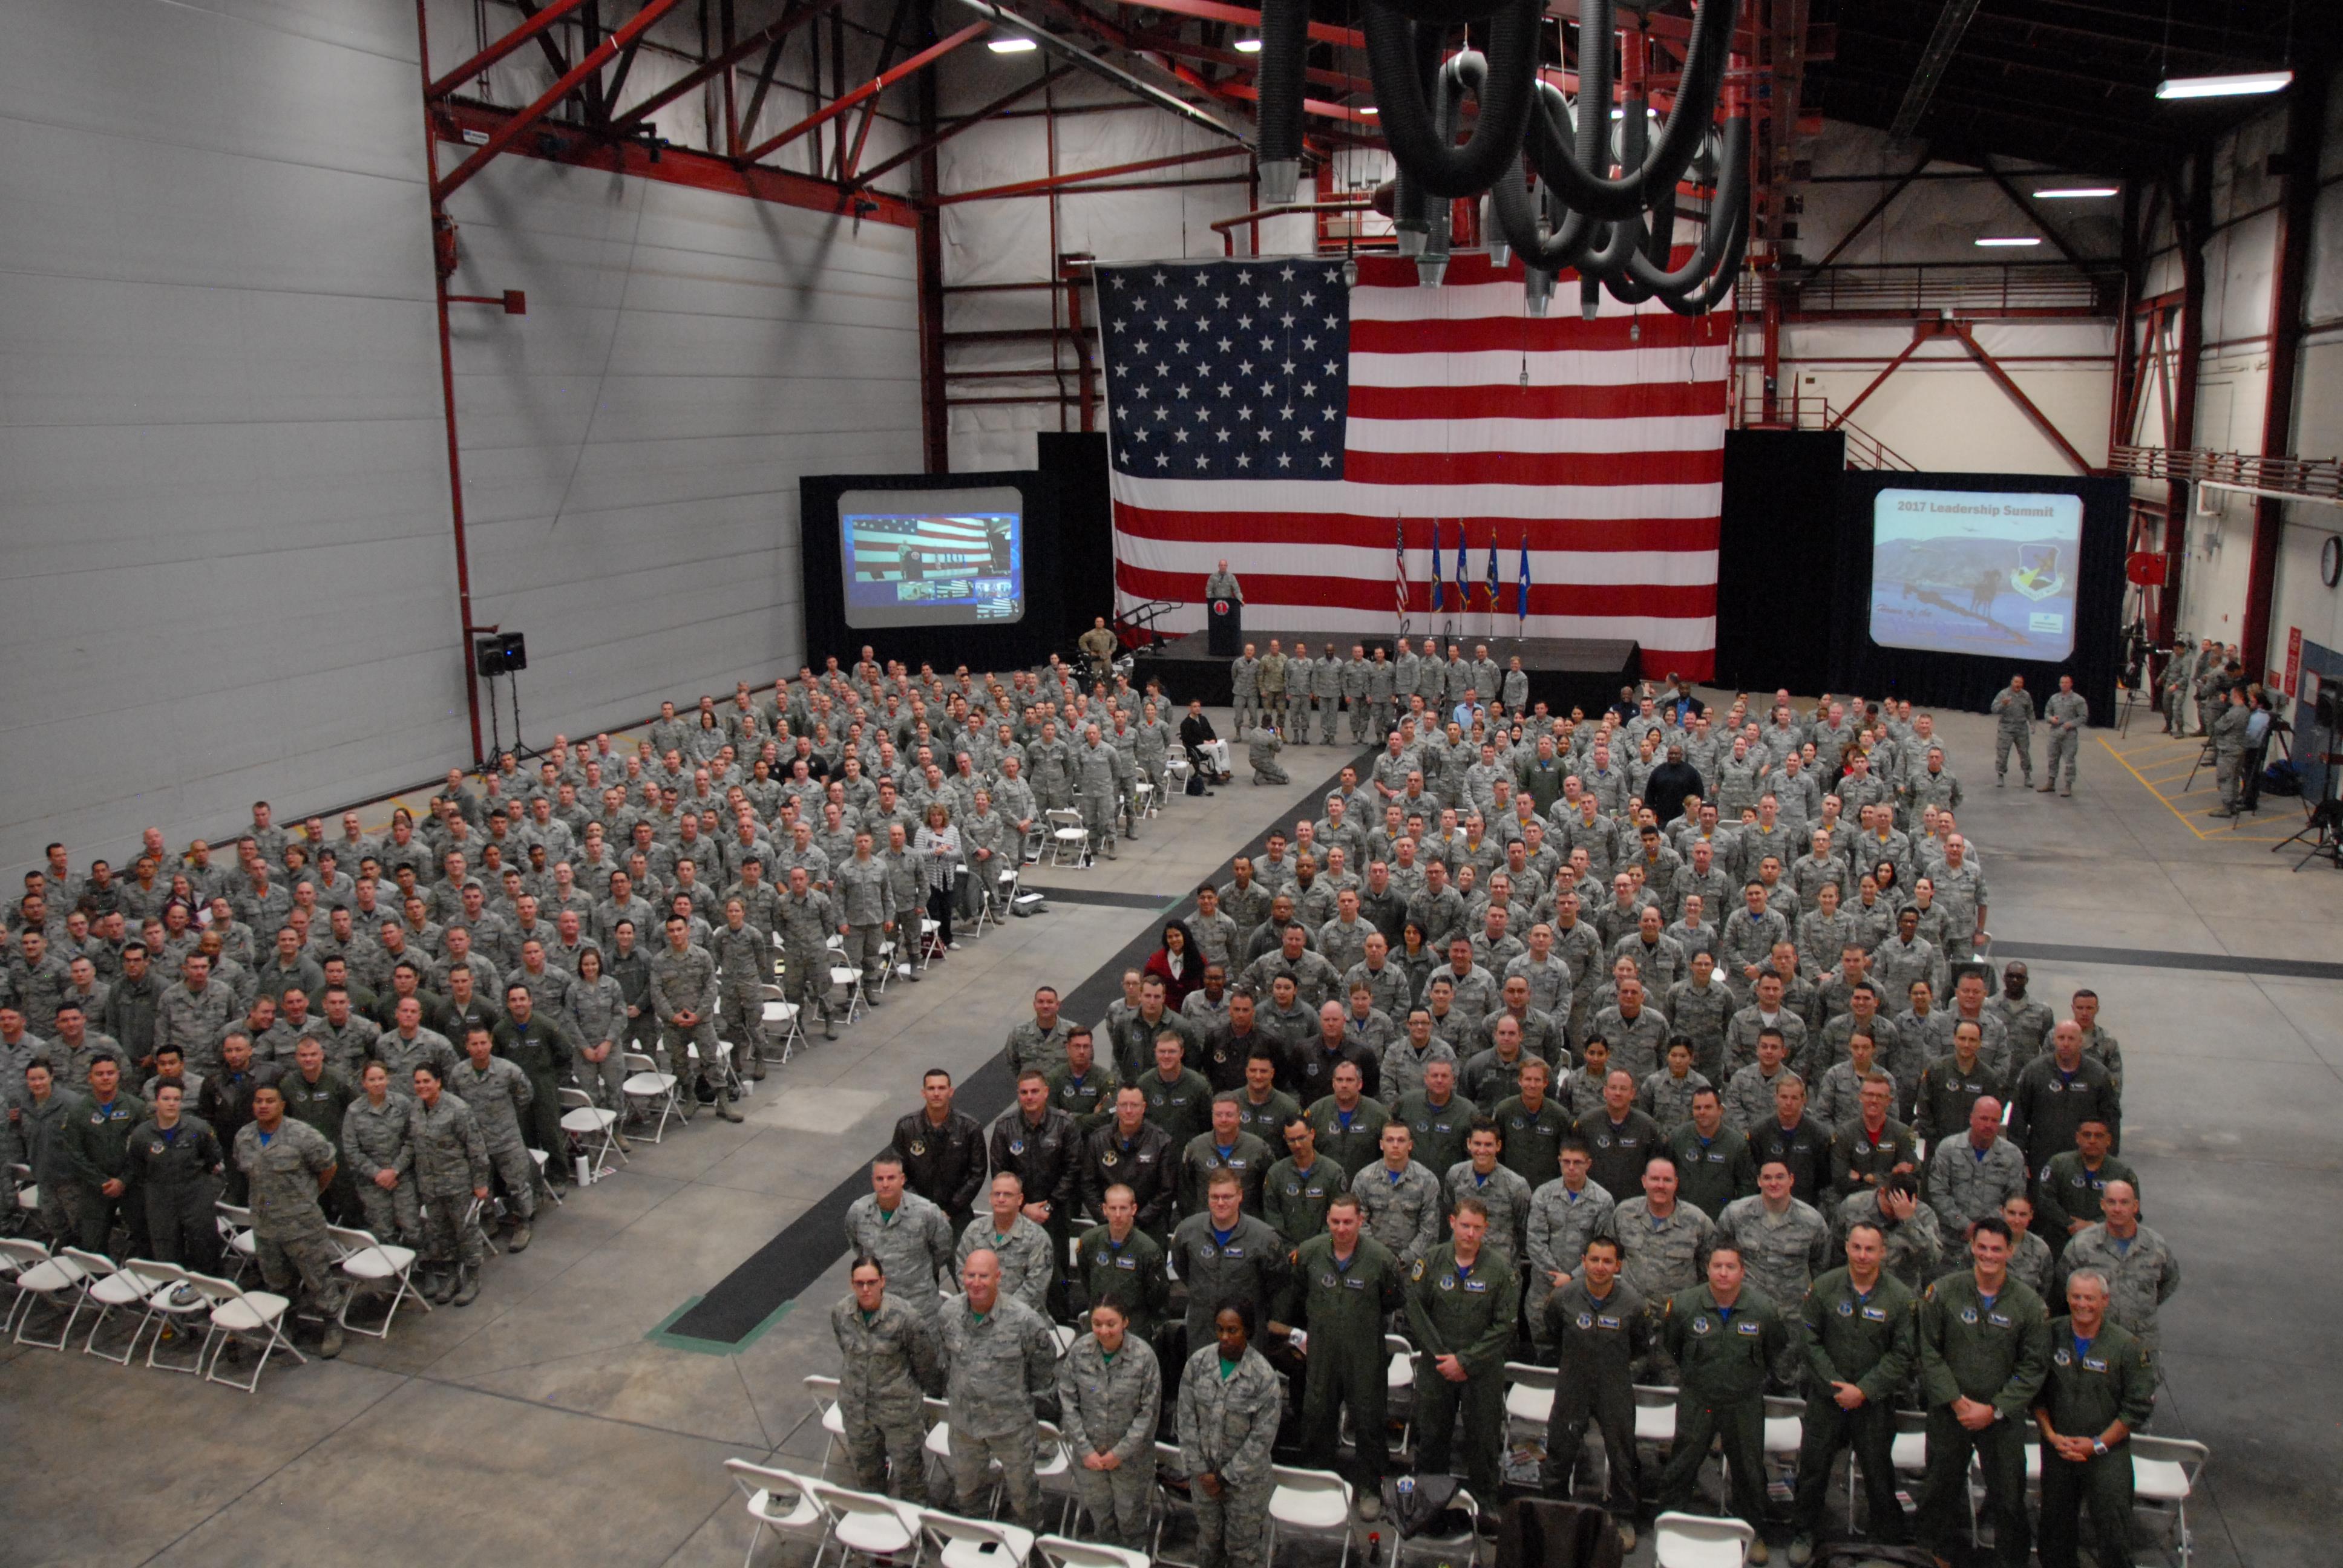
1179, 963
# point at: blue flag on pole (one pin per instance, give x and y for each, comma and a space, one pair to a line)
1463, 591
1522, 583
1435, 566
1492, 572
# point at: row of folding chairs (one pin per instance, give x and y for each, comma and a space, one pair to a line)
809, 1511
2164, 1470
162, 1302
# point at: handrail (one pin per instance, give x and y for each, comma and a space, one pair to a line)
2317, 479
1864, 450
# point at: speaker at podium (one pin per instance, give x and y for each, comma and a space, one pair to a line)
1224, 626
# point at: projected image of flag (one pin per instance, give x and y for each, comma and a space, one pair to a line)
929, 551
1260, 410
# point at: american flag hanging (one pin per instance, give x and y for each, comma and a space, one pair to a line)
1260, 410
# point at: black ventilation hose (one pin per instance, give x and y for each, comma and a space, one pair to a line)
1411, 205
1581, 182
1732, 195
1285, 52
1696, 300
1515, 216
1395, 46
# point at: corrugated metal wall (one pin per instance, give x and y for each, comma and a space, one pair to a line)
632, 446
225, 568
225, 561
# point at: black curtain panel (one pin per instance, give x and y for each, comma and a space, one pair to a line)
1777, 557
1968, 681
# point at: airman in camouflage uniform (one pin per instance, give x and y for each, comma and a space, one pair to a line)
1228, 1419
910, 1235
286, 1164
998, 1355
1109, 1402
805, 919
888, 1359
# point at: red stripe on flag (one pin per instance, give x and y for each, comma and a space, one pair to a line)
1265, 588
1535, 468
1661, 534
1623, 334
1642, 400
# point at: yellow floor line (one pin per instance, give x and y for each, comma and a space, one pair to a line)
2151, 788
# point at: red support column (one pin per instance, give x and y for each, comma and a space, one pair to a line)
2192, 215
2306, 117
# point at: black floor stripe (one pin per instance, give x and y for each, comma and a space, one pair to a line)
773, 1276
2137, 958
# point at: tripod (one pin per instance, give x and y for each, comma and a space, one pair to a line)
2324, 829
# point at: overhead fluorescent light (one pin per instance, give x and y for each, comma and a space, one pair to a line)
1369, 110
2009, 239
1012, 46
1248, 45
2075, 192
2238, 86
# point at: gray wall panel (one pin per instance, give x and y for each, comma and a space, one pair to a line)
225, 564
225, 567
632, 446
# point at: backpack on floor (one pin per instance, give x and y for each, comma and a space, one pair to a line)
1423, 1504
1195, 785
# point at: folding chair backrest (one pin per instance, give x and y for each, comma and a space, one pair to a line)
220, 1293
95, 1265
946, 1529
823, 1388
1063, 1553
635, 1061
842, 1500
350, 1239
157, 1273
574, 1099
23, 1251
752, 1478
1530, 1375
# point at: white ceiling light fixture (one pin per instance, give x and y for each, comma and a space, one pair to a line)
1012, 44
2076, 193
2245, 84
1248, 45
1369, 110
2011, 240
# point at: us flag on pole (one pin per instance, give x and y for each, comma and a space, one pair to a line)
1258, 409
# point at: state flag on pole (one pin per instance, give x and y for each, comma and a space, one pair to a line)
1399, 572
1521, 584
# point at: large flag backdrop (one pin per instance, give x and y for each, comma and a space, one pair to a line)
1261, 411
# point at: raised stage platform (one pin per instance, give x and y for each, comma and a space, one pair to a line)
1564, 672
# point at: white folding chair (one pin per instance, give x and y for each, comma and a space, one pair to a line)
2163, 1472
169, 1305
28, 1194
781, 1021
1785, 1426
591, 1129
645, 1087
1053, 1467
782, 1502
1064, 1552
43, 1280
374, 1267
1655, 1414
106, 1287
545, 1190
851, 978
824, 1390
863, 1523
1529, 1401
930, 940
240, 1245
1067, 832
1169, 1468
1698, 1541
1313, 1504
1399, 1384
242, 1317
974, 1543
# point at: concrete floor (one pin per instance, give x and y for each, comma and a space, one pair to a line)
548, 1419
